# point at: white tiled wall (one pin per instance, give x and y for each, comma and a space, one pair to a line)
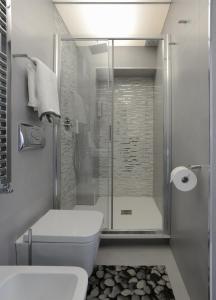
133, 136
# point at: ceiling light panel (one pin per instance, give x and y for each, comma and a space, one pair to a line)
114, 20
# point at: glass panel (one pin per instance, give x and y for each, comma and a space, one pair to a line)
138, 136
86, 104
115, 131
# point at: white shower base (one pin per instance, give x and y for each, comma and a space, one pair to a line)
145, 213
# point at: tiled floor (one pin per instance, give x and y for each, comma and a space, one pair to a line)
128, 254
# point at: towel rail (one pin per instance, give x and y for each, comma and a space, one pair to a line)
3, 30
3, 165
22, 55
3, 8
3, 171
3, 55
3, 80
3, 104
3, 62
3, 23
5, 94
3, 88
3, 71
2, 15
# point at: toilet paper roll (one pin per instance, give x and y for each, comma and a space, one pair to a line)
184, 179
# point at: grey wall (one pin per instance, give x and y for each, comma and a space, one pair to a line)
135, 57
32, 32
190, 140
130, 57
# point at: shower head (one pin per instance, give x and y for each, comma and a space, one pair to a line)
98, 48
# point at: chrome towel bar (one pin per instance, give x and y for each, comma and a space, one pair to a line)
24, 56
194, 167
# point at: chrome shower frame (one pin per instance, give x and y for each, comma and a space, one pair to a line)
112, 233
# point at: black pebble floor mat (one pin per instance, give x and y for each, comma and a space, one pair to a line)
130, 283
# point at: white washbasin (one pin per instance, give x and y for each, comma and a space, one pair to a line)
42, 283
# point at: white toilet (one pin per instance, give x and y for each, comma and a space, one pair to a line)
63, 238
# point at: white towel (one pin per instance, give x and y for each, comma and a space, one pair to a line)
43, 91
33, 101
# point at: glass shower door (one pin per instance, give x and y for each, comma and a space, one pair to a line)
86, 106
115, 131
139, 135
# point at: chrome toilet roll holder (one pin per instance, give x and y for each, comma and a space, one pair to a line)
194, 167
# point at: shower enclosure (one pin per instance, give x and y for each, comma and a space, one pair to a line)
114, 135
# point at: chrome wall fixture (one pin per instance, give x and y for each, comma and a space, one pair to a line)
30, 137
24, 56
5, 63
67, 123
195, 167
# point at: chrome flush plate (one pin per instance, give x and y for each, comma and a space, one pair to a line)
30, 137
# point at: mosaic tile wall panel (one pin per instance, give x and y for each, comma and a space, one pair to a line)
133, 136
104, 120
67, 184
68, 82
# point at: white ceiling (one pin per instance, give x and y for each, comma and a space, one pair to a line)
114, 20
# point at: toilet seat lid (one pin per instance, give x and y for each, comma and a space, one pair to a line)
77, 226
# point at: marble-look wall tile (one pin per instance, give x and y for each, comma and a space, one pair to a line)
79, 157
133, 136
104, 121
68, 84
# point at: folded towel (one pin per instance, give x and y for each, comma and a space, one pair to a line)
43, 91
33, 101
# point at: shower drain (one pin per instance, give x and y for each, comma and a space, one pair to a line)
126, 212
